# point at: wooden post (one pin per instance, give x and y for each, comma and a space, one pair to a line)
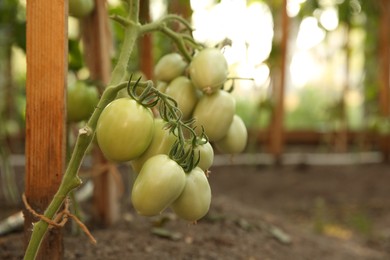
276, 134
47, 55
97, 42
145, 44
384, 72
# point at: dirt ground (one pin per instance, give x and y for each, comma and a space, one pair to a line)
257, 212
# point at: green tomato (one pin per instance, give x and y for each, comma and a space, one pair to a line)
206, 153
124, 130
81, 101
215, 113
236, 138
162, 142
159, 183
81, 8
194, 202
208, 70
182, 90
169, 67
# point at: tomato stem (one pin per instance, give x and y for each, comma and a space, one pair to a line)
180, 39
121, 20
131, 34
71, 180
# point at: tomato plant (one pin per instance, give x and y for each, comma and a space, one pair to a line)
208, 70
124, 129
194, 202
159, 183
184, 93
169, 67
162, 142
235, 139
81, 102
215, 113
206, 153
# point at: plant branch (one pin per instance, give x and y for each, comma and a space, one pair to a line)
178, 18
180, 39
131, 35
71, 180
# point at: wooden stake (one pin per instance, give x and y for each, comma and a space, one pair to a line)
276, 134
47, 54
145, 44
97, 42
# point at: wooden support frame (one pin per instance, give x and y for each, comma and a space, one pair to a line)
47, 55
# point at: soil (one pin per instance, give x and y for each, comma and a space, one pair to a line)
257, 212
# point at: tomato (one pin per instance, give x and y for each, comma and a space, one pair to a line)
194, 202
124, 130
206, 155
159, 183
236, 138
81, 101
182, 90
162, 142
208, 70
81, 8
169, 67
215, 113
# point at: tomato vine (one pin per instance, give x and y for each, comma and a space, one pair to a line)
191, 138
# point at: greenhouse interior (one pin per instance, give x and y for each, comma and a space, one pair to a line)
183, 129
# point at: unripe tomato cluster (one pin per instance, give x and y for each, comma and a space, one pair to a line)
127, 131
198, 89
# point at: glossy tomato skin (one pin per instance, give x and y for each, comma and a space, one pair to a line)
162, 142
208, 70
80, 8
206, 153
159, 183
182, 90
81, 101
124, 130
169, 67
194, 202
215, 113
236, 138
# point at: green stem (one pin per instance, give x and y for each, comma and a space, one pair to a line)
179, 42
178, 18
178, 38
71, 179
131, 35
